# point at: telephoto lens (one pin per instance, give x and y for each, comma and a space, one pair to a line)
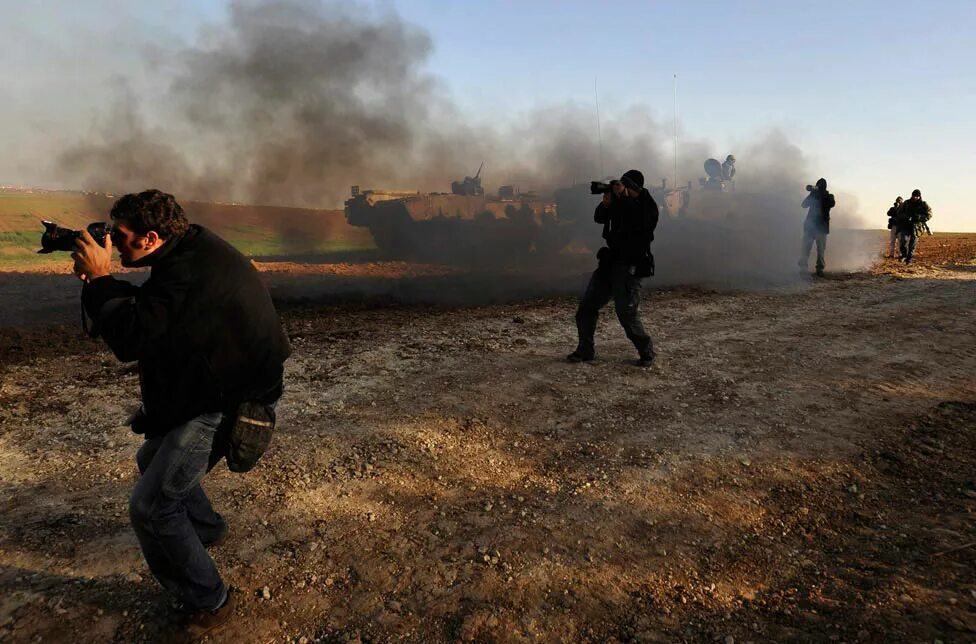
57, 238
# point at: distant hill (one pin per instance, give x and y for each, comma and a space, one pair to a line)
255, 230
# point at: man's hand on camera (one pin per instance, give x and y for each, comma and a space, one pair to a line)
91, 260
607, 198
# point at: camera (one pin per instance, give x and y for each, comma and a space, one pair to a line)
57, 238
810, 188
600, 188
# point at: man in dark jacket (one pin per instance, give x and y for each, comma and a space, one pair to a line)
207, 338
816, 227
893, 213
914, 218
629, 216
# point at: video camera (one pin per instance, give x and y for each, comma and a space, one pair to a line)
600, 188
57, 238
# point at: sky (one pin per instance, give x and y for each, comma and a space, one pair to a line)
880, 96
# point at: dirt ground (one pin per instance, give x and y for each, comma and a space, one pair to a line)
798, 465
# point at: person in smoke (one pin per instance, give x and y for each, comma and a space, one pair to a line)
914, 218
816, 227
207, 339
893, 213
629, 216
728, 168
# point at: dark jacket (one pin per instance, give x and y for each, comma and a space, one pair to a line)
913, 215
818, 204
202, 327
628, 227
893, 214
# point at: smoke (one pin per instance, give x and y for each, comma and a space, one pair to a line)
291, 102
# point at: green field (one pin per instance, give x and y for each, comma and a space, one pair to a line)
257, 231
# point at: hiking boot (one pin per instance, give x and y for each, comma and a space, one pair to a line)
219, 539
195, 625
576, 356
645, 360
820, 272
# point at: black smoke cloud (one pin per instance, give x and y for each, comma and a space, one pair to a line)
292, 101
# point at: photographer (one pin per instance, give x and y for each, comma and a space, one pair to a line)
816, 227
629, 216
207, 339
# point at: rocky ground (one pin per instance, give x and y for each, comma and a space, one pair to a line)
799, 464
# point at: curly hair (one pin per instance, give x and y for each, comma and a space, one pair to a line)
151, 210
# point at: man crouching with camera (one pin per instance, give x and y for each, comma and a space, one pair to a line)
207, 339
629, 216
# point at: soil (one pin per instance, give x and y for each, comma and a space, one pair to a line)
798, 465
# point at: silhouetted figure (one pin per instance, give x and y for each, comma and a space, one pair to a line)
912, 221
728, 168
629, 216
817, 225
893, 214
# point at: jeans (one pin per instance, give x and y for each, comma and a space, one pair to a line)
808, 239
906, 245
614, 281
892, 237
171, 515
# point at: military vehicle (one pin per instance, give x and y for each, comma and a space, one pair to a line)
470, 186
466, 225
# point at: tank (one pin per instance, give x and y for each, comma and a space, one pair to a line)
469, 186
715, 199
457, 227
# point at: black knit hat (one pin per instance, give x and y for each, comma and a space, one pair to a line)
916, 191
633, 179
822, 183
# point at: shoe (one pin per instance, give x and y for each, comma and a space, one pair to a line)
576, 356
645, 360
219, 540
820, 272
200, 623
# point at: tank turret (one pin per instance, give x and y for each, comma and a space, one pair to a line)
470, 186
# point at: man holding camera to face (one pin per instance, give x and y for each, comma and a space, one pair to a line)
208, 340
816, 226
629, 216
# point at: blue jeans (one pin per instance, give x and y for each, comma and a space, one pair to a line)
906, 245
809, 238
171, 515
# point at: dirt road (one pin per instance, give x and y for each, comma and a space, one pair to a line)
800, 464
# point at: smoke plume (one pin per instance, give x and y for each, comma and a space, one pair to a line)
290, 102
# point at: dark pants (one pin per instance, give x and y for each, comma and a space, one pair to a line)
906, 245
614, 281
171, 515
809, 237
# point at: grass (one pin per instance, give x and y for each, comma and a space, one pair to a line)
254, 230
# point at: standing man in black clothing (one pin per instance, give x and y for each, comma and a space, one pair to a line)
207, 339
914, 218
629, 216
893, 213
816, 227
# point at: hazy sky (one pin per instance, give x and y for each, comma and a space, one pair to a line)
879, 95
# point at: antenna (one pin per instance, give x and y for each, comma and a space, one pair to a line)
675, 184
599, 134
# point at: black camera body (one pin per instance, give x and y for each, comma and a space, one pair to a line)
600, 188
57, 238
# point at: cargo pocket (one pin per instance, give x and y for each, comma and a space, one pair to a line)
194, 440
